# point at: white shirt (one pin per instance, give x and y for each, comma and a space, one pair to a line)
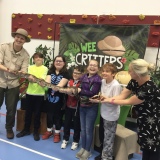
109, 111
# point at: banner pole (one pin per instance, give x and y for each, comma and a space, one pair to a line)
157, 59
54, 37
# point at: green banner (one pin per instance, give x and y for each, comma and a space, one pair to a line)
80, 43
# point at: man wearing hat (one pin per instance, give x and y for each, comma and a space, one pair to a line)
12, 57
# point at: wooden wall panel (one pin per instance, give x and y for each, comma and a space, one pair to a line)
47, 26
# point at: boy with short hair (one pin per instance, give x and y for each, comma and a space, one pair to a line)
72, 111
109, 111
34, 96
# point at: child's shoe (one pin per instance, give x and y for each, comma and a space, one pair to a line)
64, 144
36, 136
46, 135
56, 137
79, 154
74, 146
85, 155
23, 133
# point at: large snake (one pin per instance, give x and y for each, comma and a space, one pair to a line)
73, 90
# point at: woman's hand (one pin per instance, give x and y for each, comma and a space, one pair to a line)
106, 100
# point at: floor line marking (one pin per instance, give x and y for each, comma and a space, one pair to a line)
28, 149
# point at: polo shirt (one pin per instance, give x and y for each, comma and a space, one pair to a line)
110, 111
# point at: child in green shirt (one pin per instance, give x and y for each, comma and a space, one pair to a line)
34, 96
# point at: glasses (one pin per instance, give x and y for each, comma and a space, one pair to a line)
58, 61
93, 65
76, 73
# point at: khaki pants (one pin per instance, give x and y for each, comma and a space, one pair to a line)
11, 97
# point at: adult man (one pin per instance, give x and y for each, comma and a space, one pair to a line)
12, 57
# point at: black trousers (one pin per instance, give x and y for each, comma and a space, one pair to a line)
150, 155
72, 115
55, 114
34, 105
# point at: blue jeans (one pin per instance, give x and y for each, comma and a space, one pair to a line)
87, 118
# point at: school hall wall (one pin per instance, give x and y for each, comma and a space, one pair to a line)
89, 7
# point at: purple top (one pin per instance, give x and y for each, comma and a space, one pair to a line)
90, 86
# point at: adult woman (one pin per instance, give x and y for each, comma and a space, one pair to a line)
57, 75
90, 86
145, 96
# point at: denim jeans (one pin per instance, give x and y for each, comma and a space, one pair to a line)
87, 118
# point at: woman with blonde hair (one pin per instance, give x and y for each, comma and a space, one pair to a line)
144, 95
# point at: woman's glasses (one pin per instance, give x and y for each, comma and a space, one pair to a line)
77, 73
58, 61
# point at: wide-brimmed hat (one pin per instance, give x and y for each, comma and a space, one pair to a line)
112, 45
22, 32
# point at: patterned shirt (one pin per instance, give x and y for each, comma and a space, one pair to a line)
148, 113
55, 97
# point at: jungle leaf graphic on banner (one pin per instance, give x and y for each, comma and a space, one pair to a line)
115, 44
128, 57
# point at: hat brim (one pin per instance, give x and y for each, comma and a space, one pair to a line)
112, 51
27, 38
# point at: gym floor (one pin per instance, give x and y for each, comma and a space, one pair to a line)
27, 149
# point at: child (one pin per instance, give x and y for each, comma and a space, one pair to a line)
72, 112
90, 86
34, 96
57, 75
109, 111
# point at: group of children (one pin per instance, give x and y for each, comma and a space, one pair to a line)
82, 111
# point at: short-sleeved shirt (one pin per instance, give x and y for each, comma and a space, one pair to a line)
39, 72
148, 112
55, 97
110, 112
14, 61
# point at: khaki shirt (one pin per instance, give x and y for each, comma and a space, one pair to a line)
14, 61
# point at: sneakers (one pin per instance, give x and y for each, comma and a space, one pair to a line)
10, 134
56, 137
22, 133
36, 136
85, 155
46, 135
74, 146
79, 154
64, 144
